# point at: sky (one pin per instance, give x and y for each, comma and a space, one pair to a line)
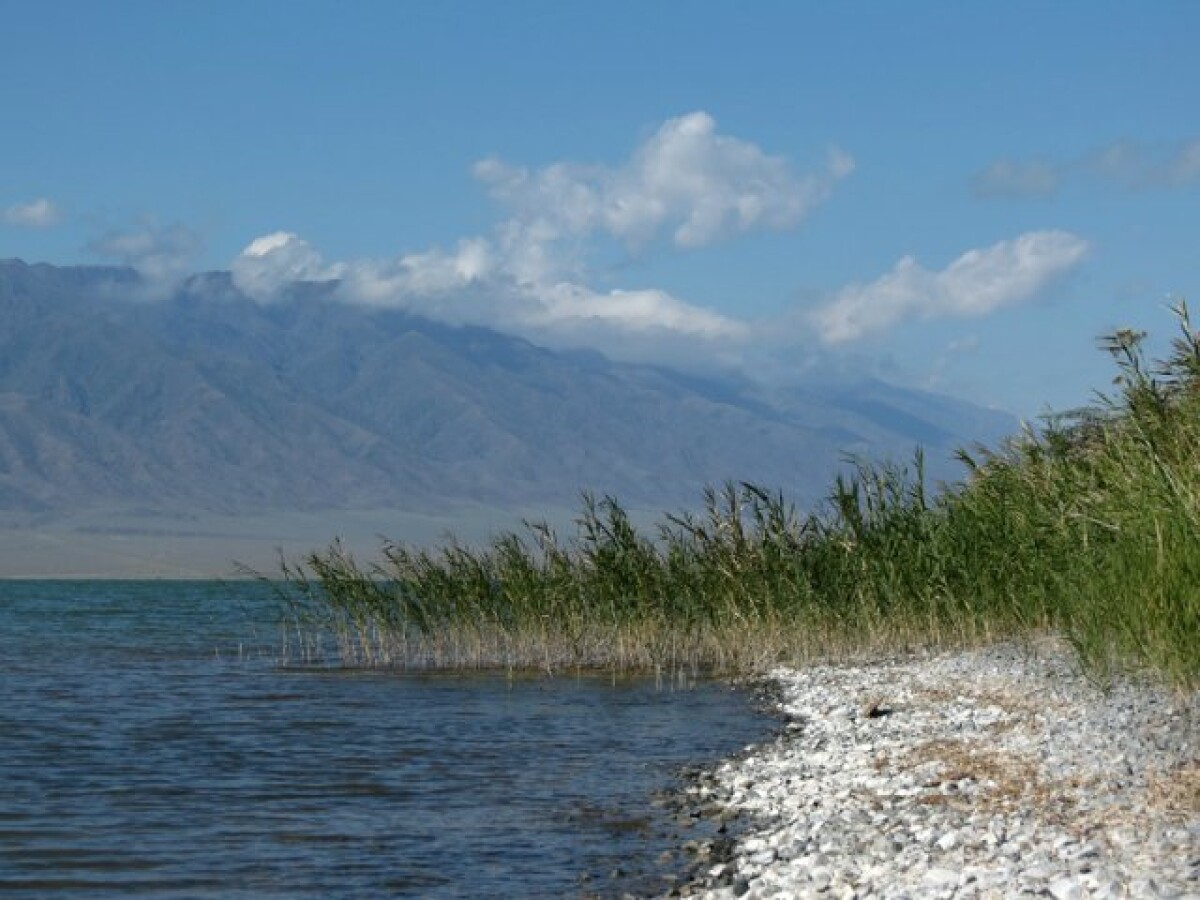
959, 197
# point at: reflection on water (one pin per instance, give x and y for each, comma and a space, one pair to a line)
150, 745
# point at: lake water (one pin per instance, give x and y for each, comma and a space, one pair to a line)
152, 745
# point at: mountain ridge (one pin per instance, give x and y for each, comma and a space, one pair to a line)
208, 400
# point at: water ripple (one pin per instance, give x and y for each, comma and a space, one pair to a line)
149, 748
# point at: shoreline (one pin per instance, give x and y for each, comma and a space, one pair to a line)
992, 772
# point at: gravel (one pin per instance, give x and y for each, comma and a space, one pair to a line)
997, 772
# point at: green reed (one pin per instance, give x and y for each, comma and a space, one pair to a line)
1090, 527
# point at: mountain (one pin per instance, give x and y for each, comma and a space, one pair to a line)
209, 401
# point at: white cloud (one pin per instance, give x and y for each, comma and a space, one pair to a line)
158, 253
270, 263
644, 311
473, 285
686, 183
275, 260
435, 271
686, 179
40, 213
977, 283
469, 285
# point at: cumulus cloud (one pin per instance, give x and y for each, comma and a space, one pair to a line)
158, 253
273, 261
686, 184
470, 285
686, 179
270, 263
39, 213
435, 271
1132, 164
977, 283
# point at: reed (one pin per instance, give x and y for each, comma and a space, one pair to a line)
1089, 526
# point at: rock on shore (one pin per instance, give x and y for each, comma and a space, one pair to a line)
998, 772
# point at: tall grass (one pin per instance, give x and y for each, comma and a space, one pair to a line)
1090, 526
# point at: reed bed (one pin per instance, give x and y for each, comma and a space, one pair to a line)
1089, 526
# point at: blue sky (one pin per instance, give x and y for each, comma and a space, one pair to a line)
954, 196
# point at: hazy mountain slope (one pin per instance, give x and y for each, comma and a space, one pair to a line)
210, 401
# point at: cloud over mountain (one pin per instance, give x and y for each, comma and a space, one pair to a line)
272, 262
211, 401
685, 186
529, 275
160, 253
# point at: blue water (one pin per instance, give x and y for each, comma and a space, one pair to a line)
152, 745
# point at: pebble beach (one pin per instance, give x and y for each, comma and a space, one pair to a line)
995, 772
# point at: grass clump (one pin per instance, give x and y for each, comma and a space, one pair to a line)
1090, 526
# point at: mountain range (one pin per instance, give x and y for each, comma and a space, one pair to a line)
208, 401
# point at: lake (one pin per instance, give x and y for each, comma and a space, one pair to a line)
152, 744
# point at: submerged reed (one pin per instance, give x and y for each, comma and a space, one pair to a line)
1090, 527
